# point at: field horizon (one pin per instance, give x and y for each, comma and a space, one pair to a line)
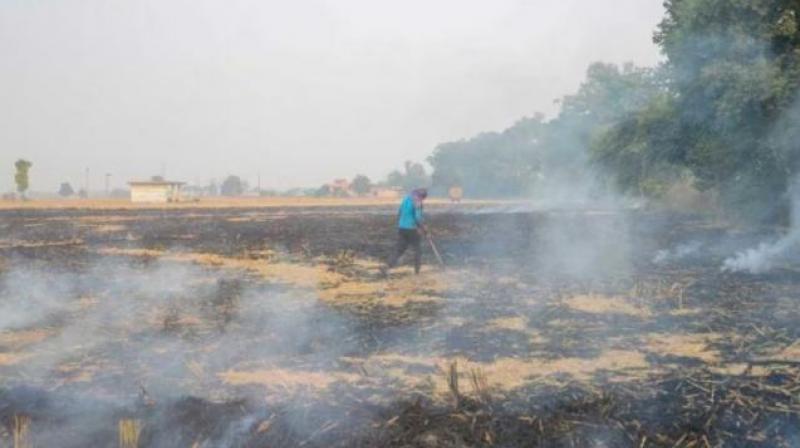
225, 202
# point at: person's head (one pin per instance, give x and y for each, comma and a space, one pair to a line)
420, 194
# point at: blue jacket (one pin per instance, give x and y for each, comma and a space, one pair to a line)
409, 216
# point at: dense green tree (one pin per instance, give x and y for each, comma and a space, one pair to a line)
413, 176
395, 179
212, 189
232, 186
21, 177
322, 191
735, 72
119, 193
491, 164
538, 158
636, 150
361, 184
723, 111
609, 95
66, 190
636, 146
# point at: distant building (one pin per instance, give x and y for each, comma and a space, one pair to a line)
159, 191
456, 193
386, 192
340, 188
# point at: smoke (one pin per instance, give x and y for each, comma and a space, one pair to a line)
28, 297
147, 324
174, 327
555, 203
784, 138
679, 253
116, 329
764, 257
89, 312
586, 233
585, 245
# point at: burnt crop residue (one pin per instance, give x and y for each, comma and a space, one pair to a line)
545, 328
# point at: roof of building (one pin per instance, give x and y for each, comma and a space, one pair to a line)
155, 182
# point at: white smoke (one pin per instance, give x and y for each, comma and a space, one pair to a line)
764, 257
678, 253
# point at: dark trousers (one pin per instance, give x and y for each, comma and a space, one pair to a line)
406, 238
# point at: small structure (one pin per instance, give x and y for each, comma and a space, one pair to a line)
386, 192
159, 191
456, 193
340, 187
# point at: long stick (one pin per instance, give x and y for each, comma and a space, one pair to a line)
435, 250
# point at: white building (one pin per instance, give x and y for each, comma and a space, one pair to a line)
160, 191
386, 192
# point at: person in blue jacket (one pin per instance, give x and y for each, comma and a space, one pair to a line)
409, 226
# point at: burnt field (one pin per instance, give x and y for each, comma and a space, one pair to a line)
274, 328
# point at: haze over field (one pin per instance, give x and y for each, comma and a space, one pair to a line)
299, 93
619, 267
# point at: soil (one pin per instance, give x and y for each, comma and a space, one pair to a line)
251, 327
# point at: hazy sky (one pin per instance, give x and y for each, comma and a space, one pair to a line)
299, 91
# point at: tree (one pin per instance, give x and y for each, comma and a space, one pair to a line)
324, 190
636, 143
610, 95
395, 179
119, 193
66, 190
722, 112
361, 185
556, 157
490, 164
734, 68
21, 176
212, 189
415, 176
232, 186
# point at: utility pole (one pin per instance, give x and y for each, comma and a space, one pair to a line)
108, 176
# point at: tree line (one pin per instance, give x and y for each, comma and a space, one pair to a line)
722, 112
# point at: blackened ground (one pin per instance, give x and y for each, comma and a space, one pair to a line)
465, 235
665, 412
553, 251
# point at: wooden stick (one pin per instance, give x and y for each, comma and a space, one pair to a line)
435, 250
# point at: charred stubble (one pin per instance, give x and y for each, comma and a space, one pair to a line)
201, 329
